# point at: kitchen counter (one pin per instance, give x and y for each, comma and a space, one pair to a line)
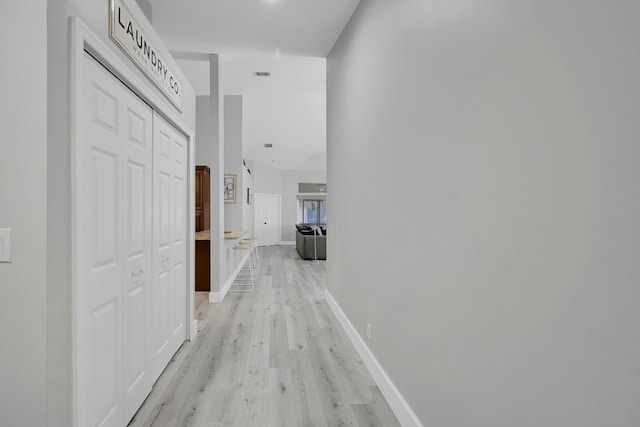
234, 234
231, 260
228, 234
203, 235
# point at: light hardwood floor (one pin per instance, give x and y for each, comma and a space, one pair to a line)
276, 356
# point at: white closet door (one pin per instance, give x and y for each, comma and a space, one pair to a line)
137, 176
177, 326
113, 221
170, 246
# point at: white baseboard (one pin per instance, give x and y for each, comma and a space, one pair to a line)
288, 242
217, 297
399, 406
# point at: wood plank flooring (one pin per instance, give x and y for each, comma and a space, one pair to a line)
276, 356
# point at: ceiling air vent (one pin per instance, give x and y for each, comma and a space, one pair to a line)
268, 145
305, 187
262, 74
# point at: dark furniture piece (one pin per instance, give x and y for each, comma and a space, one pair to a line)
310, 246
202, 223
203, 269
203, 198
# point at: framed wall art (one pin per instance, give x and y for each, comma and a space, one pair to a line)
230, 188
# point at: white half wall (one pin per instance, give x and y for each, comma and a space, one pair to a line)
498, 266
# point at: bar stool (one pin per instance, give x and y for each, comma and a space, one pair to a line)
256, 252
247, 272
254, 258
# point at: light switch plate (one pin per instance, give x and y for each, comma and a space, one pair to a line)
5, 245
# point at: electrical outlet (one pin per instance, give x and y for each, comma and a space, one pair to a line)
369, 331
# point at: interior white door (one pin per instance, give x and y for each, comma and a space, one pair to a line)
137, 178
113, 238
267, 220
170, 245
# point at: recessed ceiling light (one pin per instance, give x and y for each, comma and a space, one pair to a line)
262, 74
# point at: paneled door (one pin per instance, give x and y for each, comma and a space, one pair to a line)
169, 242
138, 253
267, 221
113, 249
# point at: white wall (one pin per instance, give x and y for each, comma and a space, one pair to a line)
266, 179
146, 8
23, 208
210, 152
59, 334
233, 218
284, 120
505, 290
204, 145
247, 209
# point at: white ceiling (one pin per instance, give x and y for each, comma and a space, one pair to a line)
290, 39
299, 27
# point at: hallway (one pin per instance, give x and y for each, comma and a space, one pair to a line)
276, 356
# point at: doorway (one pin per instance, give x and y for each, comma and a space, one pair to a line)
267, 220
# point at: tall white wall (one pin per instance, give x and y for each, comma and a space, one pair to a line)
267, 179
247, 207
204, 144
210, 152
233, 218
23, 208
59, 318
146, 8
494, 149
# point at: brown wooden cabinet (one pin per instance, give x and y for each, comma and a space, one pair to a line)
203, 263
203, 198
202, 222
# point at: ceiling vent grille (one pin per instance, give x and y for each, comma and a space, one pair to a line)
268, 145
305, 187
262, 74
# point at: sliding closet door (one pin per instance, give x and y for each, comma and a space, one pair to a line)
113, 252
170, 246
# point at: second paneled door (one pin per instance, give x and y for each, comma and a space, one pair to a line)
267, 218
169, 242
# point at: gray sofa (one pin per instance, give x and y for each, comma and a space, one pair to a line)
305, 244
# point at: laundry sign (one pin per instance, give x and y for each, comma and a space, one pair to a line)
127, 33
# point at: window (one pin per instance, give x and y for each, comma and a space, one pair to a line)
312, 212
